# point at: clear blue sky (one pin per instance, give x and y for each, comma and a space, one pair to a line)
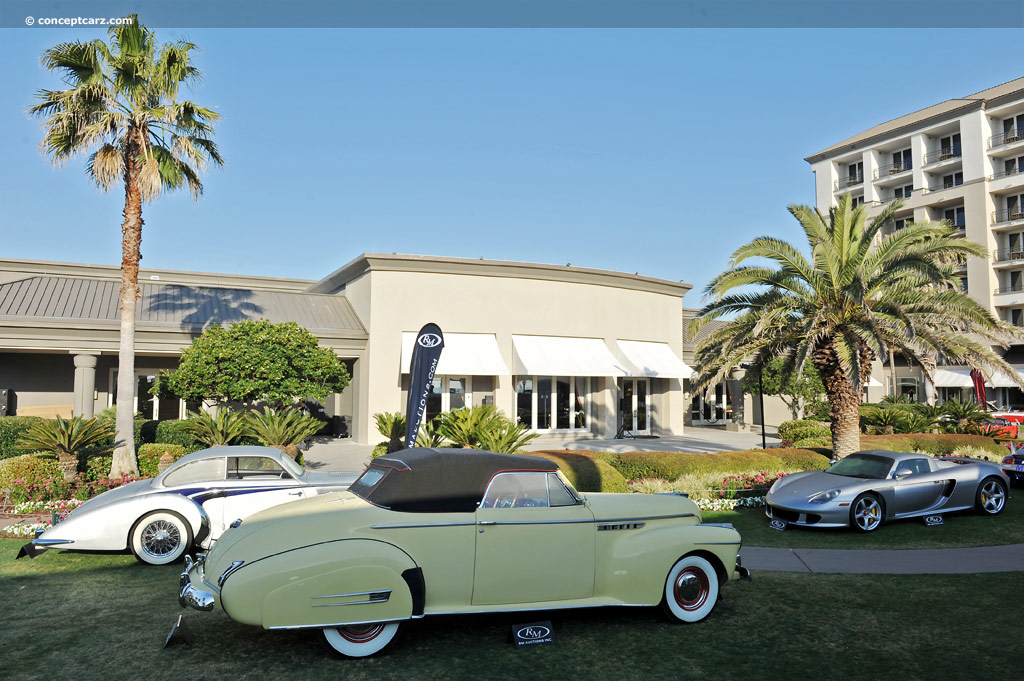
651, 151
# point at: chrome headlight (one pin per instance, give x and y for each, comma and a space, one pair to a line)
822, 497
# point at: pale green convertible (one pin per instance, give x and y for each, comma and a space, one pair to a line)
441, 531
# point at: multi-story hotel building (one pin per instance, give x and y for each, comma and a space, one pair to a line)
963, 161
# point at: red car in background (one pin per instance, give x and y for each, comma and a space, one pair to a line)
1003, 427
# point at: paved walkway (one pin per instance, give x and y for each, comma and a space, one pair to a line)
1009, 558
337, 454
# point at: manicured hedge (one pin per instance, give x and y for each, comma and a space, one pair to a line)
672, 465
11, 430
170, 432
802, 429
30, 468
149, 457
586, 472
930, 443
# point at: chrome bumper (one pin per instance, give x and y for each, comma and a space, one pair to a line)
188, 595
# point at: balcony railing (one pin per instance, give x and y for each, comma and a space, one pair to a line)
882, 172
943, 154
1007, 215
1010, 255
1013, 288
850, 181
1014, 170
1008, 137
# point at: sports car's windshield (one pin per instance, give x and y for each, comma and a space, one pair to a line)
869, 466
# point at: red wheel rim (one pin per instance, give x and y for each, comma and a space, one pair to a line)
361, 634
690, 588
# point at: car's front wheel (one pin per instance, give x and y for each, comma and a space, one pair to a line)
160, 538
866, 513
691, 590
360, 640
991, 497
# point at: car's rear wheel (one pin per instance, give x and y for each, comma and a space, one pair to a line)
691, 590
866, 513
990, 498
359, 640
160, 538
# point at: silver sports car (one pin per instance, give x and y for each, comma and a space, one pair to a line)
189, 504
867, 488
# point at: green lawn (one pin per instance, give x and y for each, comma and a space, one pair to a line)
961, 530
86, 617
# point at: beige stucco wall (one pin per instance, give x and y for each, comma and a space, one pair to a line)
390, 302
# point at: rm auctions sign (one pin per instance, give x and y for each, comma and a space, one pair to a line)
532, 634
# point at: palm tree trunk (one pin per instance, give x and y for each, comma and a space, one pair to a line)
843, 401
131, 239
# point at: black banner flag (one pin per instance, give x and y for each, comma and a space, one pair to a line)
426, 352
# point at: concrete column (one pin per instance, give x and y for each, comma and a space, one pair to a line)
610, 397
85, 386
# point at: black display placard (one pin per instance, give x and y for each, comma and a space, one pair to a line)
777, 524
533, 634
180, 628
933, 520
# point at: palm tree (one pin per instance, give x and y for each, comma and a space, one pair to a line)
122, 106
858, 295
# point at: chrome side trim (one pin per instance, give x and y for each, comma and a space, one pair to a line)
647, 517
577, 521
716, 543
358, 593
563, 607
398, 526
336, 624
227, 573
52, 542
331, 605
726, 525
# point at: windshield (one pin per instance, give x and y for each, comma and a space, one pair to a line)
289, 465
869, 466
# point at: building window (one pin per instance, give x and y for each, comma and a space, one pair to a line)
856, 201
902, 160
1013, 129
553, 402
1015, 207
903, 192
955, 217
954, 180
963, 284
949, 147
1012, 166
897, 225
447, 393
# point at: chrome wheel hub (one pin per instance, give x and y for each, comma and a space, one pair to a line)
160, 538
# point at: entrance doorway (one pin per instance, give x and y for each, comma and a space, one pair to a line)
634, 405
713, 409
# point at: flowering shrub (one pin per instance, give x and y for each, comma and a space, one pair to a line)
729, 504
748, 485
23, 530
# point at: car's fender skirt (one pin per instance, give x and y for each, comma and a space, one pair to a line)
325, 584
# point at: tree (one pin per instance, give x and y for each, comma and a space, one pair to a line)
858, 294
796, 391
122, 106
255, 361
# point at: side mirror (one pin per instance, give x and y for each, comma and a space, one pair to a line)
902, 473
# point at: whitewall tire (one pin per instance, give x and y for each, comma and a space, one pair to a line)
361, 640
691, 590
160, 538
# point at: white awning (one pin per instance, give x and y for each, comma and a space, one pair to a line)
953, 378
873, 383
957, 377
559, 356
653, 360
464, 354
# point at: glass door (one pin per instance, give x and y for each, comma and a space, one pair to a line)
634, 405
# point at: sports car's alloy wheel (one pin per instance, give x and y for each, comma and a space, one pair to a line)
691, 590
991, 499
160, 538
359, 640
866, 513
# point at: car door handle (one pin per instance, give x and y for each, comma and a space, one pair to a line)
295, 494
488, 522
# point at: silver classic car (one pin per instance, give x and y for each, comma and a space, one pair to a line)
870, 487
442, 531
189, 504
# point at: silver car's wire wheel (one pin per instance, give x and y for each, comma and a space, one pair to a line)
359, 640
991, 496
160, 538
866, 513
691, 589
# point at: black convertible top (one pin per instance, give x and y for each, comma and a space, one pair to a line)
422, 480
